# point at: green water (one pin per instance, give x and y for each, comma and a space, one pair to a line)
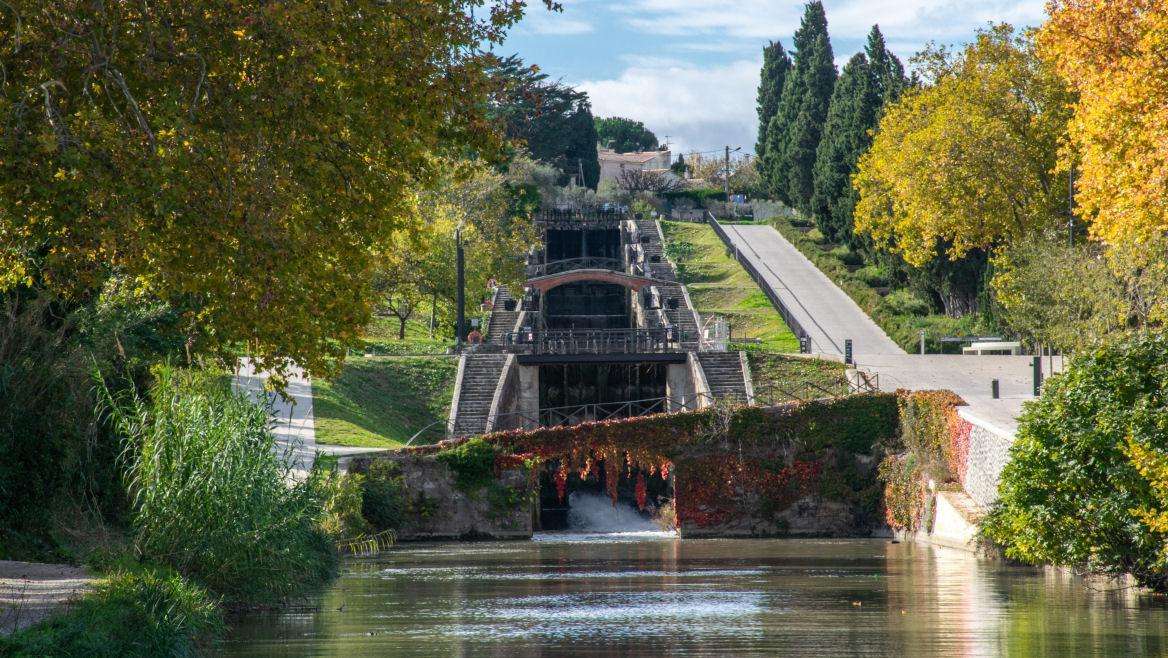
652, 594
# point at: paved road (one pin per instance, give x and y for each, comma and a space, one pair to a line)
829, 316
825, 312
294, 426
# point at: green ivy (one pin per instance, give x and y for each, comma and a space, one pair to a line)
472, 462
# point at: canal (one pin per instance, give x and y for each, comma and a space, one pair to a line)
647, 593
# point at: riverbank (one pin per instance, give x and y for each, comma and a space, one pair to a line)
31, 591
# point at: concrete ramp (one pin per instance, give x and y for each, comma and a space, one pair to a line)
825, 312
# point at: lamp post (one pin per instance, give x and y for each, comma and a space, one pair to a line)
460, 288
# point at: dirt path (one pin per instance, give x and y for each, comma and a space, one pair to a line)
29, 591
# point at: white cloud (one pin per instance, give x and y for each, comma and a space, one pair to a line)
698, 107
568, 22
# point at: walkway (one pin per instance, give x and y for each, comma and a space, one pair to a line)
830, 316
293, 424
826, 313
30, 592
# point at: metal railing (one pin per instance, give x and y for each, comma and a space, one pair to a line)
571, 264
595, 341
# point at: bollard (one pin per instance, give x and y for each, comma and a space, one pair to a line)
1036, 365
848, 352
922, 341
995, 389
805, 344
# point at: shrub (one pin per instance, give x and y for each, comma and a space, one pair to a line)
152, 612
849, 258
212, 498
343, 505
815, 235
383, 501
872, 275
904, 302
1087, 482
904, 492
472, 462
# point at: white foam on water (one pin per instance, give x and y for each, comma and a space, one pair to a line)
594, 514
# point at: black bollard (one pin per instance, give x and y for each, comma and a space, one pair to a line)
1037, 367
995, 389
848, 352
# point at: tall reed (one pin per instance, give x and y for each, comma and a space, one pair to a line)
212, 498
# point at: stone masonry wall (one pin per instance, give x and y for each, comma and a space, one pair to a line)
989, 451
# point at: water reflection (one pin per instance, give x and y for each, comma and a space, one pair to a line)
566, 595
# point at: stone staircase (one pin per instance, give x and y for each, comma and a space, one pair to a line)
501, 322
683, 316
480, 377
724, 374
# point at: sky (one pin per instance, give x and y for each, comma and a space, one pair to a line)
689, 68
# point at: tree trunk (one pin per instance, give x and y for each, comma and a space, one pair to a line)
401, 328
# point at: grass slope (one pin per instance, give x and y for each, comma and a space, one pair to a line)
719, 286
779, 377
381, 401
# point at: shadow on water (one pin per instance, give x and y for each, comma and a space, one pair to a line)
649, 593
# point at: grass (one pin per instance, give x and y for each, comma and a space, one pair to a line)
381, 339
381, 401
780, 377
146, 612
719, 286
898, 316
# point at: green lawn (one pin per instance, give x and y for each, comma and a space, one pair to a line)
780, 377
719, 286
381, 401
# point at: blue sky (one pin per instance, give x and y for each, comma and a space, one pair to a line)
689, 68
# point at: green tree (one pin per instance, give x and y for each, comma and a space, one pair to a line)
868, 81
776, 64
1087, 482
246, 163
624, 135
552, 120
795, 131
680, 166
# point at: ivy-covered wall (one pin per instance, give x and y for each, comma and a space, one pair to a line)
803, 468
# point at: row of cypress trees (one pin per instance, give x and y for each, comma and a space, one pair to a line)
814, 125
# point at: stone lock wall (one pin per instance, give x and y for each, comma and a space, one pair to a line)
989, 451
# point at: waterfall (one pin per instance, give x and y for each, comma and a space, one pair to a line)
593, 513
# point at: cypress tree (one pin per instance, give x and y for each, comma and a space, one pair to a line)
794, 132
775, 66
869, 81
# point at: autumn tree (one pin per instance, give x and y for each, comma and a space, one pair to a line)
246, 163
775, 66
1114, 54
969, 160
797, 127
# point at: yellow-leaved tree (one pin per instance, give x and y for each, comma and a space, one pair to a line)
967, 160
1114, 53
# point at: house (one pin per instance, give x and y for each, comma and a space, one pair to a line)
612, 163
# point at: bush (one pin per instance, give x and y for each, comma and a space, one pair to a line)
816, 236
904, 302
472, 462
212, 498
1087, 482
383, 495
153, 612
872, 275
849, 258
344, 502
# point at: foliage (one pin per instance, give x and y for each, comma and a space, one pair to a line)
781, 378
769, 442
679, 167
931, 431
776, 64
1113, 54
221, 156
796, 129
987, 128
624, 135
552, 120
343, 500
904, 302
635, 181
383, 495
58, 455
1058, 295
903, 329
382, 402
211, 496
148, 612
718, 285
869, 80
1085, 483
904, 492
472, 462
